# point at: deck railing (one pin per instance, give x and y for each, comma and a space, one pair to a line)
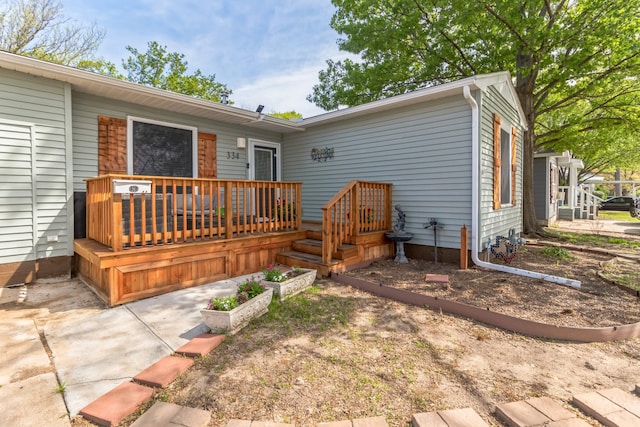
178, 210
359, 207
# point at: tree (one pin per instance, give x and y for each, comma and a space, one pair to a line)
287, 115
37, 28
168, 70
568, 58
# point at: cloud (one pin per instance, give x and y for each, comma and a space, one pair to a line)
280, 92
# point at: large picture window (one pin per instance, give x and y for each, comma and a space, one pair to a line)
161, 149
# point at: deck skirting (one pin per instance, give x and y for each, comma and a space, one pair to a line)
141, 272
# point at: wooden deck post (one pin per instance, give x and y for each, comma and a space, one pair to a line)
116, 222
464, 251
228, 210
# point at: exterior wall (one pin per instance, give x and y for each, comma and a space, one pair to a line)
424, 150
541, 189
497, 222
36, 171
545, 176
87, 108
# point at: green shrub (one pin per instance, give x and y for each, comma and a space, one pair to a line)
557, 252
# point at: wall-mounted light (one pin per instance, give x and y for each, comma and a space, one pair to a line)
241, 142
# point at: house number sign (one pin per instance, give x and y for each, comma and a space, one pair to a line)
321, 154
233, 155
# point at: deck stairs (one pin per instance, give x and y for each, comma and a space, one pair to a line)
307, 252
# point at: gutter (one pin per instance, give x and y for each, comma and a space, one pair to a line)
475, 206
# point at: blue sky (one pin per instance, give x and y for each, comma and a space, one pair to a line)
268, 52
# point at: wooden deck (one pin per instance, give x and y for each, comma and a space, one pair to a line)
180, 234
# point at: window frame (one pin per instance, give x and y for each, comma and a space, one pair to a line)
194, 140
505, 169
501, 166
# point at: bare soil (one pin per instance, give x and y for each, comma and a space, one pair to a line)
339, 353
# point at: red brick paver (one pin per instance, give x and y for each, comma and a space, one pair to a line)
201, 345
112, 407
437, 278
164, 371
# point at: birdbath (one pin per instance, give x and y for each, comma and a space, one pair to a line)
399, 236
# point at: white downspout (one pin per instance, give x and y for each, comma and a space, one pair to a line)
475, 207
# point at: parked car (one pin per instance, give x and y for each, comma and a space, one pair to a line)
635, 208
623, 203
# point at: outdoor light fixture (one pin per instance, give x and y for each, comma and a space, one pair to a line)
260, 108
241, 142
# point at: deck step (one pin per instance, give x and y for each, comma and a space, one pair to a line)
306, 260
314, 247
314, 234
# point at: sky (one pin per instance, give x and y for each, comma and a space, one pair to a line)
268, 52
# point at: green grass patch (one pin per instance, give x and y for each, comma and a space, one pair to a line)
594, 240
557, 252
617, 216
311, 310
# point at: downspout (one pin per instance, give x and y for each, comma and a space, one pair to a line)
475, 206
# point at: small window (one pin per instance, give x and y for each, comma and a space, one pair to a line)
504, 163
505, 168
161, 149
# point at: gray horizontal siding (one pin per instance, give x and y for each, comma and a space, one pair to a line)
423, 150
43, 103
17, 224
87, 108
497, 222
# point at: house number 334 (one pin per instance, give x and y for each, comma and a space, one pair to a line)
233, 155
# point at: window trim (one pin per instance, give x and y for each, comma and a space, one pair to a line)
194, 140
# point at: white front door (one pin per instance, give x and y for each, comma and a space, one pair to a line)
264, 160
264, 165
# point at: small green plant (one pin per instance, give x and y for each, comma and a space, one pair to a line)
222, 303
274, 274
248, 289
251, 287
61, 387
557, 252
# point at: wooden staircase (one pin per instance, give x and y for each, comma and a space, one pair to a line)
352, 230
307, 253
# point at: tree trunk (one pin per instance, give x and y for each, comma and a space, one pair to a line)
525, 84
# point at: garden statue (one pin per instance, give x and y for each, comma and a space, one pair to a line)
399, 236
399, 226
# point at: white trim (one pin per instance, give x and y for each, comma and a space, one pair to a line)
68, 136
194, 141
251, 173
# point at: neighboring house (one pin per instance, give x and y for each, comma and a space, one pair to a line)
546, 182
60, 128
555, 202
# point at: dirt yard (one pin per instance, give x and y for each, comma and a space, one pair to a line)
337, 353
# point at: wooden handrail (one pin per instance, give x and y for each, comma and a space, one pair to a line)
181, 209
359, 207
